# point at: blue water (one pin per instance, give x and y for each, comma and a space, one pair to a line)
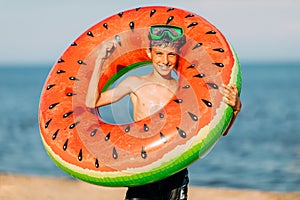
262, 150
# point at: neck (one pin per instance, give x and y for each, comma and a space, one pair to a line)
161, 78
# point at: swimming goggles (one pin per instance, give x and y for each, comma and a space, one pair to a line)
157, 32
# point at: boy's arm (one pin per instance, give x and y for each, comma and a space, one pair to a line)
94, 98
232, 99
93, 95
115, 94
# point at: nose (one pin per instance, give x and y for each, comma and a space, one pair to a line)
165, 59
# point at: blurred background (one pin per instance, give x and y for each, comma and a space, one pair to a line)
262, 150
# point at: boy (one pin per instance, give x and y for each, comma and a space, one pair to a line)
150, 93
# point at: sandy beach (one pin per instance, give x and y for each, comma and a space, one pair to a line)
23, 187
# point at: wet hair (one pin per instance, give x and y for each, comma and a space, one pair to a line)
167, 41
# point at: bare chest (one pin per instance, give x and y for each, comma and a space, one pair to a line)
150, 98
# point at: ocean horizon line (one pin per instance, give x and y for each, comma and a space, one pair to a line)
51, 64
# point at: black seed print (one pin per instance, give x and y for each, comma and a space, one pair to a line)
178, 100
127, 129
193, 24
181, 132
118, 39
93, 133
146, 128
60, 71
201, 75
47, 123
219, 50
120, 14
131, 25
67, 114
137, 9
170, 19
105, 25
143, 153
211, 32
115, 153
66, 145
73, 44
107, 137
73, 125
170, 9
97, 163
189, 15
186, 86
194, 117
152, 12
53, 105
55, 134
213, 85
162, 137
60, 61
191, 66
218, 64
90, 34
69, 94
81, 62
197, 46
72, 78
207, 103
161, 115
50, 86
80, 155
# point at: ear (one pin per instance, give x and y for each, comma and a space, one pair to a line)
148, 51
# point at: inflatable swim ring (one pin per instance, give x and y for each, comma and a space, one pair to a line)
86, 147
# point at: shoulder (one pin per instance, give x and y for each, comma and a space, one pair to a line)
132, 82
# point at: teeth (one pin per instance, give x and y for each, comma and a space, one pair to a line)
163, 66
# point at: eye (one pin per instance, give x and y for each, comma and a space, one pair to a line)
172, 54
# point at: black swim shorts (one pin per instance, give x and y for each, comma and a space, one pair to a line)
174, 187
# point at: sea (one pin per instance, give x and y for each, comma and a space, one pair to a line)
261, 151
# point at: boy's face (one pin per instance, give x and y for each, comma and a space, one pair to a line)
164, 59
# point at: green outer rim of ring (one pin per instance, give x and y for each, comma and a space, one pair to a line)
166, 168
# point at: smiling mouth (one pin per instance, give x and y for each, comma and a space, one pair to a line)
164, 67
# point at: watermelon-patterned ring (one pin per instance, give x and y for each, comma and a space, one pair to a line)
136, 153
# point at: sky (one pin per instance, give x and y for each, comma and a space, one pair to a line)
39, 31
